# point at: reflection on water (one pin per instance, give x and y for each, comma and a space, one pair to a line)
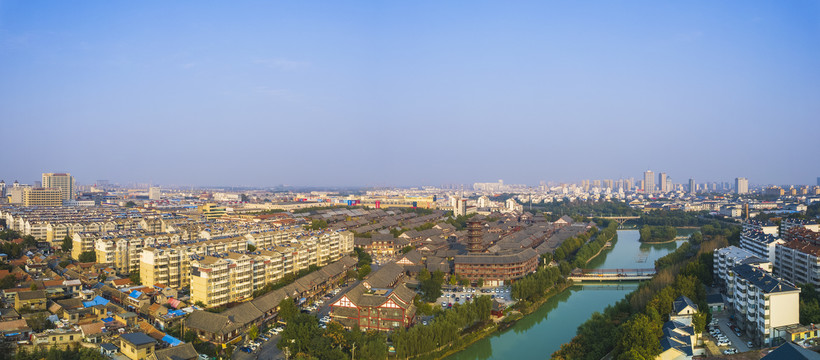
541, 333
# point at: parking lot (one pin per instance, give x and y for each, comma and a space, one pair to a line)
724, 326
267, 349
501, 294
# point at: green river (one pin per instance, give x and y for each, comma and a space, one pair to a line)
541, 333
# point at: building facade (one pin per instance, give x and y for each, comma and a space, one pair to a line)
761, 303
62, 181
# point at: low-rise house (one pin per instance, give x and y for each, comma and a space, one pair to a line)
226, 327
34, 300
56, 338
137, 346
791, 351
108, 349
15, 330
180, 352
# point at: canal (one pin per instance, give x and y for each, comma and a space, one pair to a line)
541, 333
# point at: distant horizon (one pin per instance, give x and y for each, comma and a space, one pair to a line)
402, 93
354, 186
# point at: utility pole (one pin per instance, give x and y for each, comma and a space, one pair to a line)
353, 352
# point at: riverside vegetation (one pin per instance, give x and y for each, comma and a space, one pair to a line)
631, 328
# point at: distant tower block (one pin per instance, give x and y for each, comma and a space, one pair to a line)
474, 236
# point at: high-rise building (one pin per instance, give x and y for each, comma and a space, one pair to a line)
818, 181
741, 186
154, 193
62, 181
692, 187
648, 182
2, 188
662, 182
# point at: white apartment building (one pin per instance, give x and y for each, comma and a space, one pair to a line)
761, 303
725, 259
798, 262
761, 226
759, 243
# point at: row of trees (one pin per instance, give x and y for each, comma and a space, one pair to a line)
568, 248
536, 284
459, 222
589, 249
587, 208
364, 262
430, 284
446, 329
53, 354
651, 233
672, 218
632, 327
809, 304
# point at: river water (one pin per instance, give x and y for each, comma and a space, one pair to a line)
541, 333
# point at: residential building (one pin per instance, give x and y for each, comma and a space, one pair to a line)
662, 182
759, 243
741, 186
791, 351
648, 182
798, 262
496, 268
212, 211
34, 300
137, 346
762, 303
381, 302
761, 226
679, 337
180, 352
56, 338
154, 193
693, 188
726, 259
42, 197
62, 181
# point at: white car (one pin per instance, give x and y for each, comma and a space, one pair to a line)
730, 351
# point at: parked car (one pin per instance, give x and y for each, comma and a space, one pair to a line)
243, 348
749, 344
730, 351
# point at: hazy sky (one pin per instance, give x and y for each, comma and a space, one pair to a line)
409, 92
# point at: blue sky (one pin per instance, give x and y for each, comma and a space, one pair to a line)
409, 93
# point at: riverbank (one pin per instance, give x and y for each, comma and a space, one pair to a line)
495, 327
658, 242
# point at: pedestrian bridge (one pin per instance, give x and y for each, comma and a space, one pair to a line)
601, 275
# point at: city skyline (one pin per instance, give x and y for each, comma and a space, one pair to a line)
328, 94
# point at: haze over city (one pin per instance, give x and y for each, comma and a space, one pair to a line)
395, 94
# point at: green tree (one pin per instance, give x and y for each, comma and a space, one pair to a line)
287, 309
87, 256
67, 244
318, 224
251, 248
363, 271
8, 282
638, 339
424, 275
130, 204
134, 276
253, 332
